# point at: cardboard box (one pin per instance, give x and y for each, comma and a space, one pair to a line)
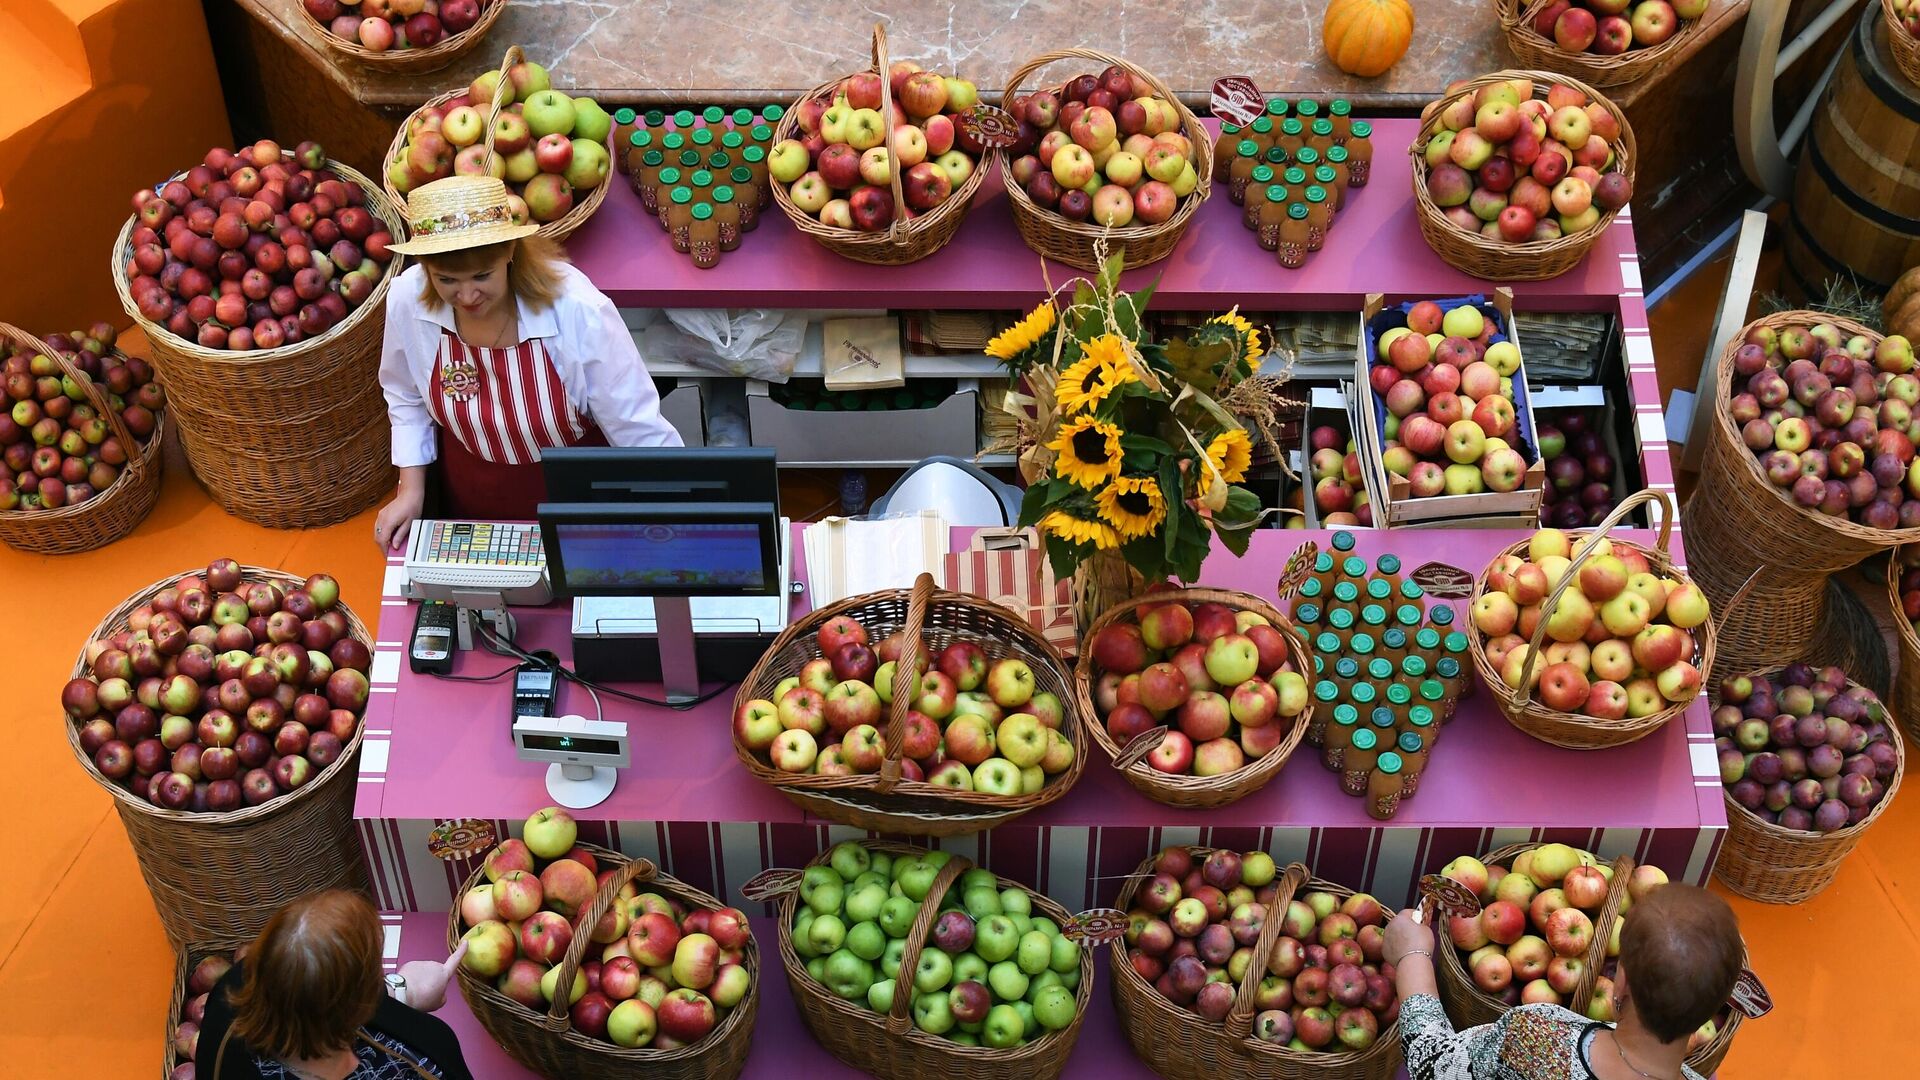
894, 438
1328, 406
1604, 419
683, 404
1520, 507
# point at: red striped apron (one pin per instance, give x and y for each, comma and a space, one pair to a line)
500, 407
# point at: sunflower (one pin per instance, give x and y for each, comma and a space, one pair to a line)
1103, 369
1078, 530
1250, 347
1089, 451
1231, 452
1133, 505
1023, 335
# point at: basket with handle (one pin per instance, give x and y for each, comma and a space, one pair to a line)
1739, 524
928, 619
1084, 244
1534, 49
1906, 686
1481, 256
905, 239
217, 874
185, 958
1764, 861
1179, 789
546, 1041
407, 61
1180, 1044
1901, 43
1578, 731
110, 514
558, 229
293, 437
888, 1045
1469, 1006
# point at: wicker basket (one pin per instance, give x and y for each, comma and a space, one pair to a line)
1469, 1006
1904, 46
546, 1042
110, 514
225, 874
1534, 50
1484, 257
1906, 685
292, 437
1572, 730
1739, 525
906, 240
1180, 1044
406, 61
185, 958
1762, 861
1193, 792
929, 618
888, 1045
1082, 244
553, 230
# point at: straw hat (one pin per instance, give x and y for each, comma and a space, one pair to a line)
459, 212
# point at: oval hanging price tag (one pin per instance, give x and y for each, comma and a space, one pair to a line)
995, 129
1749, 996
770, 885
1443, 581
1236, 98
1447, 896
1299, 564
1096, 926
1139, 747
464, 838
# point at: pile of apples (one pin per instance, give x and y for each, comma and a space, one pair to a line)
1339, 494
1909, 16
1832, 420
55, 448
991, 972
1446, 380
1222, 680
1612, 27
222, 692
1807, 749
1191, 934
1104, 148
380, 25
841, 168
975, 725
193, 1012
253, 249
1580, 470
662, 976
550, 149
1517, 168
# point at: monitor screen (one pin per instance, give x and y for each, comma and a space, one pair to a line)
655, 550
660, 474
571, 744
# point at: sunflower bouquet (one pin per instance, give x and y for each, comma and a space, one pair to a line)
1133, 449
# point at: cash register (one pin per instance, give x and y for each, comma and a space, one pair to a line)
480, 568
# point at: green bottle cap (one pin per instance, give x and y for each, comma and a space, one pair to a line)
1345, 715
741, 117
1420, 716
1394, 638
1307, 156
1411, 590
1414, 667
1262, 124
1277, 107
1306, 613
1343, 540
1347, 668
673, 140
689, 159
623, 116
1379, 669
1319, 665
1388, 762
741, 176
1382, 719
669, 176
702, 137
1325, 176
1346, 592
1326, 690
719, 161
1340, 107
1353, 565
681, 195
714, 114
1407, 615
683, 119
652, 158
1379, 589
1323, 126
640, 138
1308, 108
1399, 694
1410, 742
1276, 193
1228, 127
701, 178
1447, 668
1292, 126
722, 193
1327, 642
1340, 618
772, 113
732, 140
1441, 615
1365, 739
702, 211
1311, 589
761, 133
1373, 615
1276, 155
1263, 175
1364, 693
1336, 155
1361, 644
1295, 177
1247, 148
1316, 194
753, 155
1297, 211
1360, 129
1456, 642
1323, 563
1428, 639
656, 117
1431, 690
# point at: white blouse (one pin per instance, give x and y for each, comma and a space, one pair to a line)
583, 334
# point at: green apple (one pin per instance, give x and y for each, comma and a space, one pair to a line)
995, 938
780, 688
934, 971
917, 879
896, 916
1257, 868
1065, 955
1032, 779
1054, 1008
1028, 1026
871, 877
891, 956
827, 899
1016, 901
1464, 321
867, 941
803, 933
1041, 982
549, 833
937, 858
998, 776
817, 969
982, 902
850, 860
590, 121
1034, 952
1004, 1028
880, 863
931, 1013
827, 933
631, 1023
964, 1038
549, 112
817, 876
977, 878
1021, 924
883, 679
865, 902
550, 984
849, 976
968, 967
1070, 978
1041, 922
1007, 981
1504, 357
970, 1030
880, 995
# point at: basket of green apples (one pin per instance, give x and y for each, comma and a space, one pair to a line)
906, 962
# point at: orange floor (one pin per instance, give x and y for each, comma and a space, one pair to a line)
85, 971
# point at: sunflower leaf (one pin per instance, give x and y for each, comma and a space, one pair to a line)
1242, 504
1063, 556
1033, 505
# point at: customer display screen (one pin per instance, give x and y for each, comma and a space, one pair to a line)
571, 744
726, 557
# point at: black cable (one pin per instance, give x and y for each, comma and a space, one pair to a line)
575, 677
476, 678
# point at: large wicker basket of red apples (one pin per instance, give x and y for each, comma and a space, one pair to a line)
401, 37
1605, 42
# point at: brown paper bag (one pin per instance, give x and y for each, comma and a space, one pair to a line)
862, 354
1009, 567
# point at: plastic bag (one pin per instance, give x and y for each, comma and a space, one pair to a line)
749, 343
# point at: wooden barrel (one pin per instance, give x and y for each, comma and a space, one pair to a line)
1856, 193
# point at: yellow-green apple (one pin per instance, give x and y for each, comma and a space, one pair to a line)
1494, 613
1517, 889
1686, 605
1465, 442
908, 145
1113, 205
794, 750
490, 948
1645, 879
1059, 753
1678, 682
957, 165
1546, 542
549, 112
1217, 757
1529, 957
589, 164
997, 776
1469, 872
516, 895
833, 122
1188, 181
1503, 357
1462, 479
1231, 659
632, 1023
961, 95
1164, 163
1072, 165
876, 166
1555, 568
1549, 864
978, 704
1290, 689
1124, 169
1010, 683
1022, 739
1572, 616
1569, 932
463, 126
567, 886
1515, 669
696, 957
787, 161
1644, 698
951, 774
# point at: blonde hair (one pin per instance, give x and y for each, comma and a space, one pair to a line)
313, 977
533, 269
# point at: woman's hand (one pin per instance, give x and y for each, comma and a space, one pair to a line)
1407, 934
395, 522
427, 979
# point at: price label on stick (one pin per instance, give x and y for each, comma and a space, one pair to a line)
1236, 98
1095, 926
1442, 895
1299, 564
1750, 997
1443, 582
451, 841
770, 884
995, 129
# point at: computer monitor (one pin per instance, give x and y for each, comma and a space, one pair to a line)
662, 550
661, 474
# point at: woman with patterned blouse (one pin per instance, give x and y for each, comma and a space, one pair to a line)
1680, 955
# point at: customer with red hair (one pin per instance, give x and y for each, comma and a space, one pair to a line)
307, 1001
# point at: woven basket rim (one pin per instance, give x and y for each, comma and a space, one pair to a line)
1902, 44
1516, 24
115, 620
409, 61
1899, 561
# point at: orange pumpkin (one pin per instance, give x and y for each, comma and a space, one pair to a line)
1366, 37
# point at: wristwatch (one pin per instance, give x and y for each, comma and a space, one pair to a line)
397, 987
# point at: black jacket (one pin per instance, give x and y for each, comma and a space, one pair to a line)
426, 1035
